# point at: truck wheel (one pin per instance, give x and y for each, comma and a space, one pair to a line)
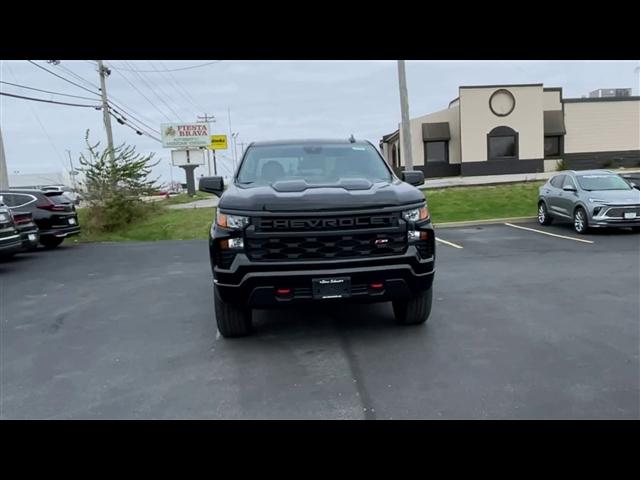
543, 215
51, 242
414, 311
233, 320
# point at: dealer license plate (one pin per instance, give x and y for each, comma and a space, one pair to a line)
336, 287
628, 215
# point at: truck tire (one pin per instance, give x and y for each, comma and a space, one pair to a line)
414, 311
233, 320
51, 242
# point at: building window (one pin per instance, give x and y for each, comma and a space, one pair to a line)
502, 144
552, 146
436, 152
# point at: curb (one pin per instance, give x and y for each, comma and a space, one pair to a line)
489, 221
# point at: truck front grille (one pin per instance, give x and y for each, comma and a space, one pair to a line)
322, 247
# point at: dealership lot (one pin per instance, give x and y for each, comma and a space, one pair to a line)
524, 325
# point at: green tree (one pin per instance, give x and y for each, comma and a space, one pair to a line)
113, 189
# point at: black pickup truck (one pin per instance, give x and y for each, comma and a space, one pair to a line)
318, 220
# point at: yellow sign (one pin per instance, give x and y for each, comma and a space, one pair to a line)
218, 142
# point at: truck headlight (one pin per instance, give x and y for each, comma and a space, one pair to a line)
416, 214
232, 222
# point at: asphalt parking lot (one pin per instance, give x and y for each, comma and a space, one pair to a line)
524, 326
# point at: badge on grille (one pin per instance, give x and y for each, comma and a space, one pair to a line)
381, 241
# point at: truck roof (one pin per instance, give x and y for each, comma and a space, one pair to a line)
307, 141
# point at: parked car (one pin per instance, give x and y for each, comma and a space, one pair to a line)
633, 178
53, 213
589, 199
66, 191
319, 221
10, 242
29, 231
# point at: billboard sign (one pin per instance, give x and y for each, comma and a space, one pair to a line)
185, 135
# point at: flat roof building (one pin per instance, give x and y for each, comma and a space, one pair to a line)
503, 129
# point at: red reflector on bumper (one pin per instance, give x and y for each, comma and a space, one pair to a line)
377, 285
283, 291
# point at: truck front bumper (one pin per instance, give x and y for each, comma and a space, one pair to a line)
256, 283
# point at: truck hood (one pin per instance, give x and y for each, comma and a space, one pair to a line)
297, 195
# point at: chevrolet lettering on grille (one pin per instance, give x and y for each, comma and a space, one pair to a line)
322, 223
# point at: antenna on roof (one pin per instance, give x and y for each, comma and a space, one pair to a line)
352, 139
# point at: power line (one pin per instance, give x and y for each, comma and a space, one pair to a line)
138, 90
174, 69
124, 112
177, 87
79, 77
184, 90
137, 129
63, 78
97, 107
46, 91
154, 90
35, 114
170, 87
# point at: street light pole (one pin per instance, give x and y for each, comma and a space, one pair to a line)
206, 119
404, 110
4, 176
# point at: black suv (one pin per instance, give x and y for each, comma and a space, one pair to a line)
53, 213
322, 220
10, 241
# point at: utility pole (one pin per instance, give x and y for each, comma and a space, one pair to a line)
104, 72
72, 172
4, 176
206, 119
404, 110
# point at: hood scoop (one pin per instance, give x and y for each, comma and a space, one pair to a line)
301, 185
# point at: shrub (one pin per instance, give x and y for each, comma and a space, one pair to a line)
114, 185
561, 165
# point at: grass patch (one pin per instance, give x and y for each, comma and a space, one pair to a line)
458, 204
446, 205
165, 224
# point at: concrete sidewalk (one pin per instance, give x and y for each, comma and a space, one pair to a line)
206, 203
498, 179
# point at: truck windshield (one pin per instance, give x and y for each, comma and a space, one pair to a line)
602, 182
315, 163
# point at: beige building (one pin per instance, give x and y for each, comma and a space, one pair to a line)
501, 129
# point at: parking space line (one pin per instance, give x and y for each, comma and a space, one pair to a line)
451, 244
550, 234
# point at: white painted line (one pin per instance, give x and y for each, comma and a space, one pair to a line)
451, 244
550, 234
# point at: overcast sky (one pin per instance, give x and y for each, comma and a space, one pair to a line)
267, 99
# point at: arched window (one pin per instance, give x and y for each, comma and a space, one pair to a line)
502, 144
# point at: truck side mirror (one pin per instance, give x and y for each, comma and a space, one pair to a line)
213, 185
413, 177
